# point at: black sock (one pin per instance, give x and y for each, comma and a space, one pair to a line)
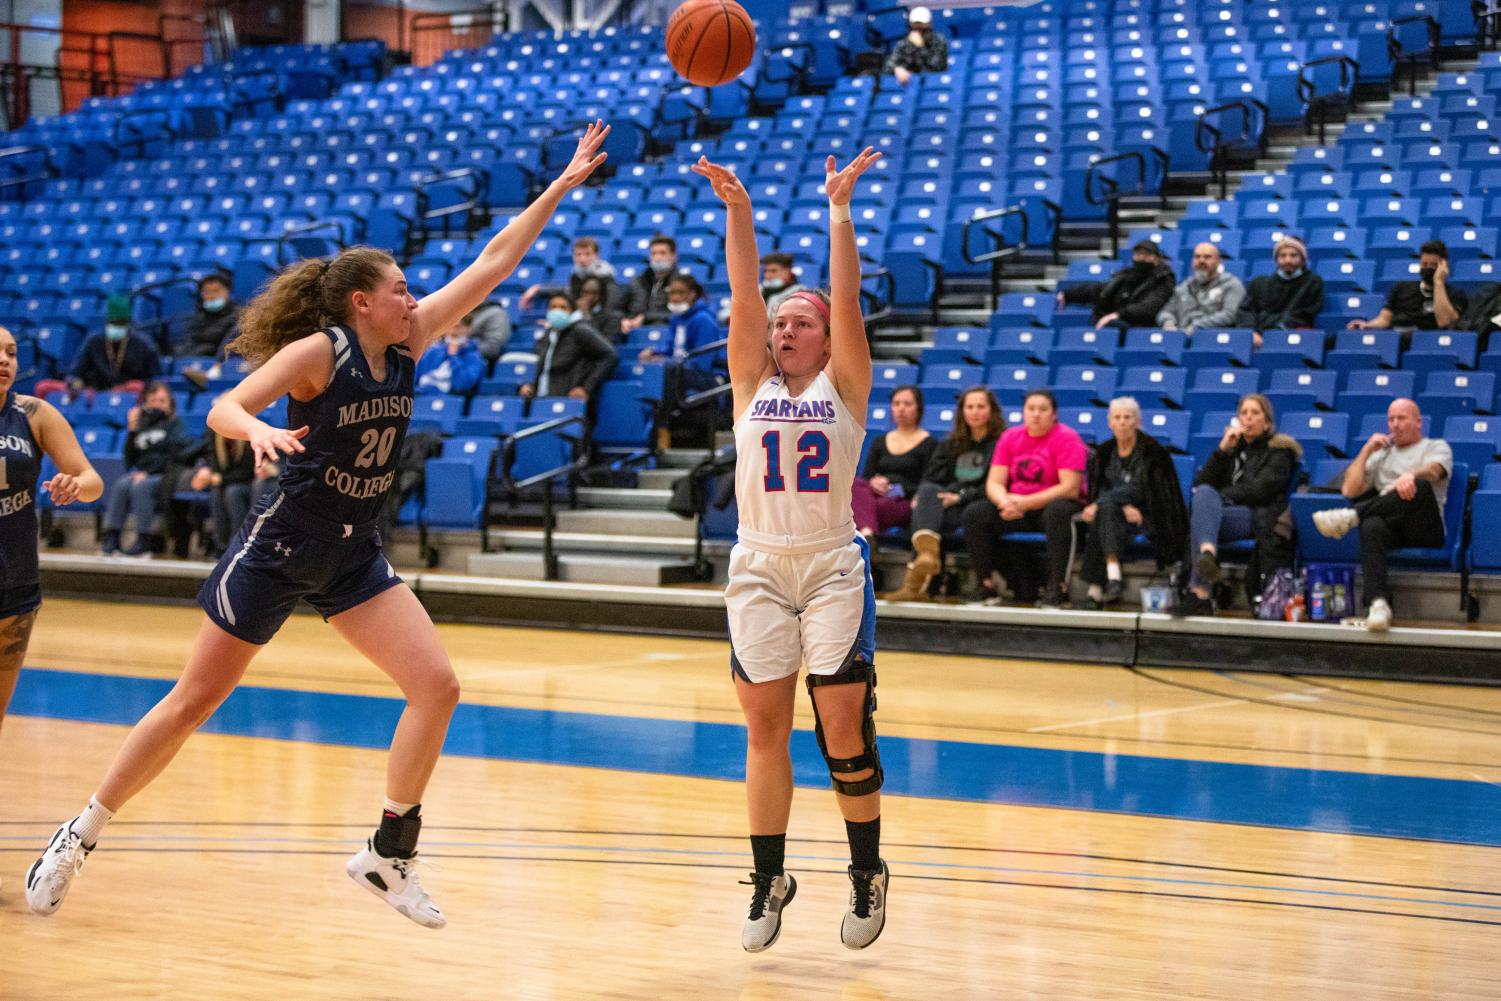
397, 835
770, 851
865, 843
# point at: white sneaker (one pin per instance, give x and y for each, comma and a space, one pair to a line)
1335, 522
763, 923
867, 913
1379, 618
394, 880
49, 877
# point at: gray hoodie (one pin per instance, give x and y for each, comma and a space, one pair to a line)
1210, 306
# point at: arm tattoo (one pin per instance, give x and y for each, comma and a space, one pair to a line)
14, 637
29, 405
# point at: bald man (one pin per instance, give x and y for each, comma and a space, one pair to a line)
1208, 299
1398, 484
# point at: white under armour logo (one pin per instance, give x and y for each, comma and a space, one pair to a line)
281, 550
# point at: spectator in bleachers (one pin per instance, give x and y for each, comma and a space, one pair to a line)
1133, 296
154, 440
453, 364
1484, 314
778, 282
225, 469
921, 50
586, 263
1241, 493
116, 357
490, 326
594, 305
1429, 303
693, 327
1398, 485
213, 322
1290, 298
1131, 486
954, 479
646, 296
894, 466
573, 359
1035, 484
1208, 299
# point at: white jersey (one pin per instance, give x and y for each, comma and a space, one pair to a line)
796, 461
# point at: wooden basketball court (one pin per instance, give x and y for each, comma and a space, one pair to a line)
1053, 831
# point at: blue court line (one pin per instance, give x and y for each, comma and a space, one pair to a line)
1305, 799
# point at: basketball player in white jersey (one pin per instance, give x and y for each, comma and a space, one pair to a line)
800, 590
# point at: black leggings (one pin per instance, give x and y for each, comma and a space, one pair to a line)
986, 534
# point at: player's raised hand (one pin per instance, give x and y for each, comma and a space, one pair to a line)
586, 157
726, 185
270, 443
840, 184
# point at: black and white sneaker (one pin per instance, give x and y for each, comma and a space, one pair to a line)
763, 923
867, 913
49, 877
395, 881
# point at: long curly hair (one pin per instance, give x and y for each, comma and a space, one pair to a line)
304, 297
960, 438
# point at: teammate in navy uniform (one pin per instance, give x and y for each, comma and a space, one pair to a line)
799, 592
339, 337
29, 429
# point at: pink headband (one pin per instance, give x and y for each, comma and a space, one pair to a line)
818, 304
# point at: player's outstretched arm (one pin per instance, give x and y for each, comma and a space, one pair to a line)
438, 312
849, 362
749, 353
302, 370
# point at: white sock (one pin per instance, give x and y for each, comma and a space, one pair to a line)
1096, 592
400, 809
90, 823
1112, 571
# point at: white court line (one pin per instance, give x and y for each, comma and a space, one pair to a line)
1137, 715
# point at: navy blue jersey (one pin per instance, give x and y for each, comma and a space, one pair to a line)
355, 430
20, 465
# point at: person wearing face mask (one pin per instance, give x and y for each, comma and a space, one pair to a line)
646, 301
574, 359
586, 263
1430, 303
1207, 299
154, 439
921, 50
453, 365
1133, 296
1241, 493
213, 322
691, 323
778, 284
115, 358
1290, 298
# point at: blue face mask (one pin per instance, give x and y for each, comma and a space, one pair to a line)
116, 331
214, 305
558, 319
1289, 275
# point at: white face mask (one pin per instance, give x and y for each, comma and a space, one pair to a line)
678, 307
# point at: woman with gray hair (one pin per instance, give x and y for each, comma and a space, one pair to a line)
1132, 486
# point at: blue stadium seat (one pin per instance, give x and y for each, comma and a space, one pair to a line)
885, 376
454, 483
493, 416
1152, 347
1169, 427
1475, 441
1220, 388
1154, 385
1311, 428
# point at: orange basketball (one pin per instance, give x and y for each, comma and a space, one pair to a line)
710, 42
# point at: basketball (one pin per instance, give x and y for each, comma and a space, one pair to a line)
710, 42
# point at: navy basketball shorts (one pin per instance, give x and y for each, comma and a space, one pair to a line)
20, 600
281, 554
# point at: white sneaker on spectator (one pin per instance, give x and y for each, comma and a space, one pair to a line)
1336, 522
1379, 618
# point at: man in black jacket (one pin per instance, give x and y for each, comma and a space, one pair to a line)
646, 296
1133, 295
1290, 298
574, 359
115, 357
212, 321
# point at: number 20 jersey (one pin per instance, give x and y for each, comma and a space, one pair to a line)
796, 460
355, 430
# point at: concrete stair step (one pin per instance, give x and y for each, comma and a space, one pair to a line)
598, 543
625, 521
637, 498
585, 568
659, 479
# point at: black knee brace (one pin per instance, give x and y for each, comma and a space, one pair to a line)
868, 758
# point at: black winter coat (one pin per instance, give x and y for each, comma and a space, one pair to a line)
1274, 303
1137, 299
1263, 487
1165, 518
942, 468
